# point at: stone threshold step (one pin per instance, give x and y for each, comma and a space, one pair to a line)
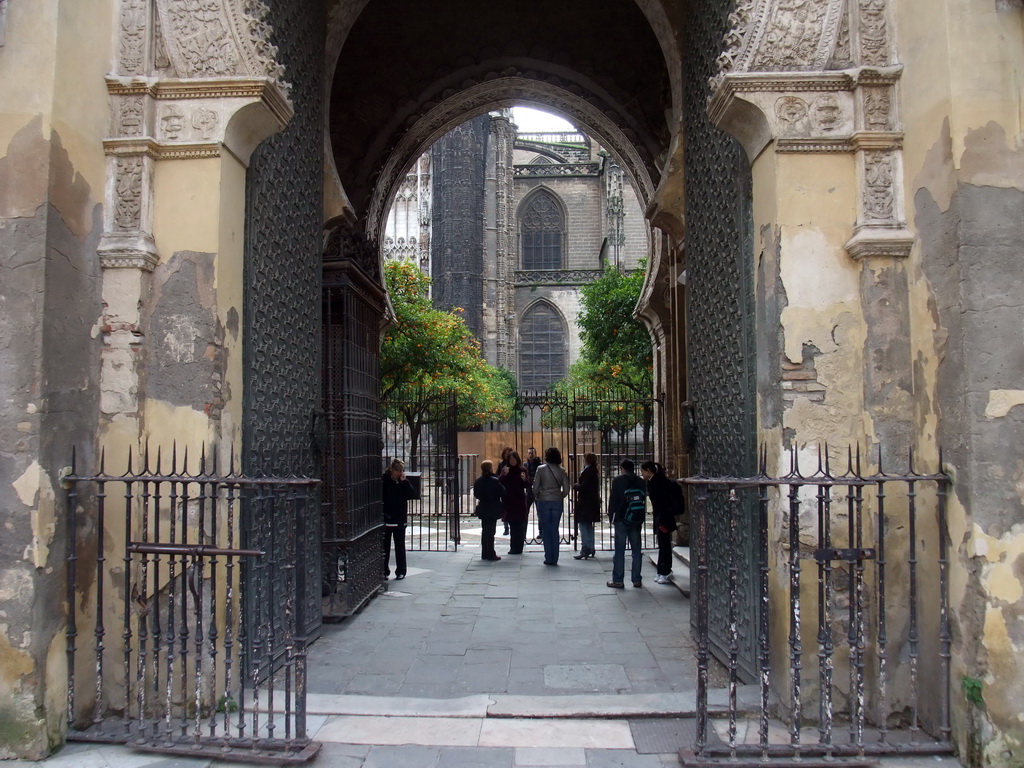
589, 706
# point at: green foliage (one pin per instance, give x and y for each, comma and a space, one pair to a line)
226, 704
972, 687
428, 354
616, 355
616, 346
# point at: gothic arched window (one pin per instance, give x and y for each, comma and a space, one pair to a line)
542, 225
541, 347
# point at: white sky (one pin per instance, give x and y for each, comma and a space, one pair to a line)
530, 120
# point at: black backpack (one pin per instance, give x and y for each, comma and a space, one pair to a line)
636, 506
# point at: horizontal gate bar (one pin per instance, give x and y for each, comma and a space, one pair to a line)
196, 550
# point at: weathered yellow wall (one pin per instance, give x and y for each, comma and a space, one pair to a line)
53, 114
961, 101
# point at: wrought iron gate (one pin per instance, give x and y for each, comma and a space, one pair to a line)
350, 512
614, 424
159, 545
849, 555
421, 428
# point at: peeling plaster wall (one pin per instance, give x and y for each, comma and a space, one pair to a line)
965, 176
52, 116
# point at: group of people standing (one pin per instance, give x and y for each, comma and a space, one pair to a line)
508, 493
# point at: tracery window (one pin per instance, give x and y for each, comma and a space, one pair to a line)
542, 227
541, 347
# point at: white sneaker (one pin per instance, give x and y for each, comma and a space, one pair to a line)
659, 579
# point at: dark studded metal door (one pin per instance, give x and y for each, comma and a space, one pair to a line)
282, 280
720, 322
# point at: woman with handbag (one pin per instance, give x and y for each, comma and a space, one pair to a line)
489, 494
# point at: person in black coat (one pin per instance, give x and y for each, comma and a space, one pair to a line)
588, 504
395, 494
666, 497
489, 493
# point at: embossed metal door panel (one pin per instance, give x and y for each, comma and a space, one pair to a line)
720, 321
282, 279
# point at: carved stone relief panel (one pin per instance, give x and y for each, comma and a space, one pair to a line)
131, 116
873, 33
133, 37
128, 203
792, 36
782, 35
879, 198
217, 38
205, 121
842, 56
877, 103
172, 122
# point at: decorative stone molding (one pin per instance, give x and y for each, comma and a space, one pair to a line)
556, 276
778, 82
890, 241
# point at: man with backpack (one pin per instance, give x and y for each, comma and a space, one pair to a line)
627, 507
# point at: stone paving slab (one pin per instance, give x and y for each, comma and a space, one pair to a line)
595, 705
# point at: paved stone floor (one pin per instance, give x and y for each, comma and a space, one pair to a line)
474, 664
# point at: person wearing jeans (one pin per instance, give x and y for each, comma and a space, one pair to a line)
550, 487
625, 532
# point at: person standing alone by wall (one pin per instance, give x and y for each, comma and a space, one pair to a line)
395, 495
666, 502
550, 487
489, 494
588, 505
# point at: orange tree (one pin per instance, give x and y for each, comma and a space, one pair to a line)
429, 358
616, 363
